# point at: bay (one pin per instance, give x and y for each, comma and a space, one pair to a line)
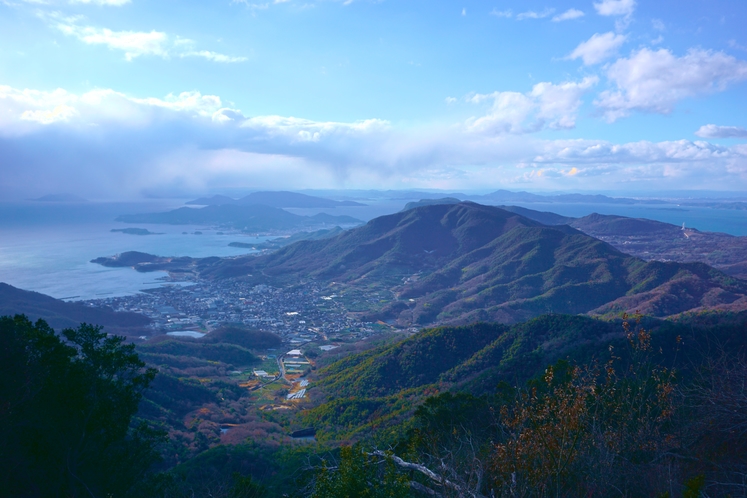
48, 248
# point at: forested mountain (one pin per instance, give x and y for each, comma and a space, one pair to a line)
654, 240
643, 406
460, 263
60, 314
67, 406
647, 239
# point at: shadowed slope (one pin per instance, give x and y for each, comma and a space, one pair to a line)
60, 314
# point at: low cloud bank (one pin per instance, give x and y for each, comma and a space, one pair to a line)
105, 143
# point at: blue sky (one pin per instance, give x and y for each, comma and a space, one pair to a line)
127, 96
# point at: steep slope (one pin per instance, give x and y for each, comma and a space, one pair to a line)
60, 314
414, 362
375, 388
389, 247
654, 240
459, 355
545, 217
608, 224
460, 263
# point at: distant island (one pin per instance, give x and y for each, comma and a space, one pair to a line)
284, 241
136, 231
281, 199
182, 267
507, 196
60, 198
251, 218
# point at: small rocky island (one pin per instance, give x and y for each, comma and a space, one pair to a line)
184, 267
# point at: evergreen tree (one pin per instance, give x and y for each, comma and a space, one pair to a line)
66, 410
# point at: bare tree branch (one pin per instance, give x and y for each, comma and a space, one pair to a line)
428, 472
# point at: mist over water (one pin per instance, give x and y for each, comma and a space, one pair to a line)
47, 247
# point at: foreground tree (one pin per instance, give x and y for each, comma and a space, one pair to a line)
66, 407
361, 474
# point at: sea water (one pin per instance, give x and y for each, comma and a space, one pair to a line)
49, 248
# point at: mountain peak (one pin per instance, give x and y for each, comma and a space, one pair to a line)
459, 263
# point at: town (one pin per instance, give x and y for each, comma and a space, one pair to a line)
298, 314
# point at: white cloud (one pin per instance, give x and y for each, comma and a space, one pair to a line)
568, 15
502, 13
615, 7
115, 3
59, 113
645, 165
109, 142
547, 106
535, 15
559, 104
658, 25
654, 81
266, 5
133, 43
644, 152
450, 100
714, 131
508, 113
597, 48
213, 56
98, 108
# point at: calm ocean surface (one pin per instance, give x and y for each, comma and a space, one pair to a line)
48, 247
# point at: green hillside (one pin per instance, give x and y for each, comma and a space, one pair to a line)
461, 263
61, 314
381, 386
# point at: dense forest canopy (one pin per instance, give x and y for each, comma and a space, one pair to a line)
66, 418
557, 406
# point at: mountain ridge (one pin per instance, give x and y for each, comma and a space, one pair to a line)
459, 263
62, 314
